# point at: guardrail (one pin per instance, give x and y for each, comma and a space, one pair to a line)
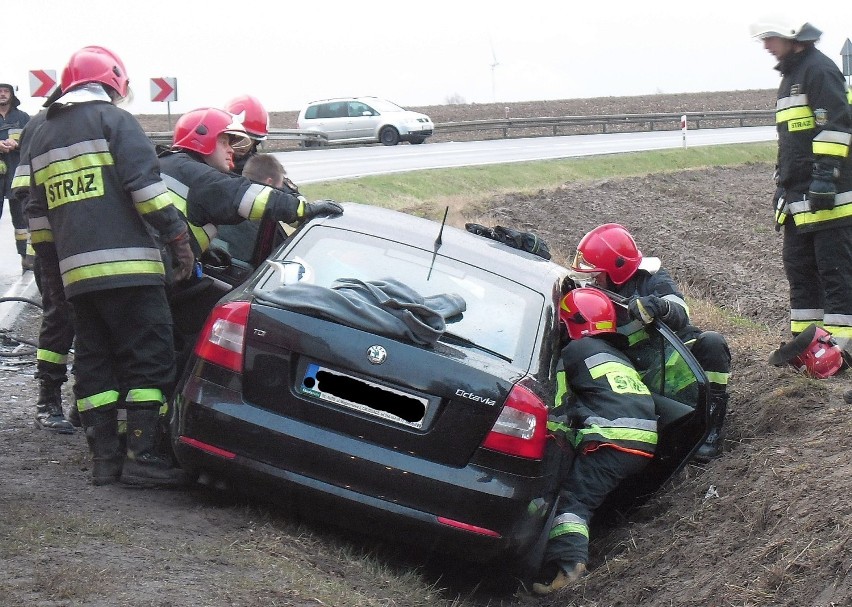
558, 125
307, 138
611, 122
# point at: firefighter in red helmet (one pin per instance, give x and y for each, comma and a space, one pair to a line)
609, 257
248, 111
613, 430
197, 171
94, 185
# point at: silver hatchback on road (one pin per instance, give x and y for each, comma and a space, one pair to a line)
364, 119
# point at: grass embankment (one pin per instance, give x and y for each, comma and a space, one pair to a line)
432, 190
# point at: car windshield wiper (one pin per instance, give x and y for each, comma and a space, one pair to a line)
464, 341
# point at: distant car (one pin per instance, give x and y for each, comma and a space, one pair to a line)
364, 119
301, 388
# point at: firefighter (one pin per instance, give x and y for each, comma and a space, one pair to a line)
608, 415
813, 199
56, 334
12, 122
196, 170
255, 119
608, 257
95, 196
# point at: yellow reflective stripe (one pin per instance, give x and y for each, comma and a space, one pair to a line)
838, 331
620, 434
145, 395
561, 388
830, 149
801, 112
113, 268
803, 218
73, 165
797, 326
104, 399
156, 203
21, 180
716, 377
21, 235
201, 236
566, 528
40, 236
254, 201
51, 357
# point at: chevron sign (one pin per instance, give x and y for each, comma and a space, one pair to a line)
42, 82
163, 89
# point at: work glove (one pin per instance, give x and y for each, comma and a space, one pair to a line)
321, 207
216, 257
183, 259
647, 308
823, 190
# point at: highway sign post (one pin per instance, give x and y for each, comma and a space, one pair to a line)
846, 54
683, 129
42, 82
164, 89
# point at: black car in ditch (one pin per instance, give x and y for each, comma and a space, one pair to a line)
392, 374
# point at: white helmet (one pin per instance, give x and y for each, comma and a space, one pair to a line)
780, 27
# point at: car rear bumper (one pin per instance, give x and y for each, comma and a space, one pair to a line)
475, 512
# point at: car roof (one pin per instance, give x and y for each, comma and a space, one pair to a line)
522, 267
333, 99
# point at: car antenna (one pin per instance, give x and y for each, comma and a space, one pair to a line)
438, 242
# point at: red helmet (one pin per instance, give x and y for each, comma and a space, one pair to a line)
255, 118
587, 311
609, 249
95, 64
822, 357
198, 130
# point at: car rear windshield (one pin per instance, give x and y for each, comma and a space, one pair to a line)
501, 316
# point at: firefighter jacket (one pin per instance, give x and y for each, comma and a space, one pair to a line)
11, 126
95, 183
20, 191
602, 399
208, 197
814, 124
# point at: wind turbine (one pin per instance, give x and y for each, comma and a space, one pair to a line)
494, 64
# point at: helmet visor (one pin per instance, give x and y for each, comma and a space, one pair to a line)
239, 142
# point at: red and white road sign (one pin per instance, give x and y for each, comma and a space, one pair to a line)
42, 82
163, 89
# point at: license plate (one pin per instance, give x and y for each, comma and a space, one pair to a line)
364, 396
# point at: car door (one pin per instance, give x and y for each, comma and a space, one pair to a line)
364, 120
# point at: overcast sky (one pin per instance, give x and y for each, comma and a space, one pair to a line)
415, 53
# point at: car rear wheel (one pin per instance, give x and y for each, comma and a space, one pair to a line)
417, 139
389, 136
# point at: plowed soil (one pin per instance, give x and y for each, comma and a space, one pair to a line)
766, 525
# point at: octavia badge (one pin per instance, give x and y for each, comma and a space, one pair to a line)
377, 354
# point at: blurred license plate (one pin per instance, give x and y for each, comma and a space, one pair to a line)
364, 396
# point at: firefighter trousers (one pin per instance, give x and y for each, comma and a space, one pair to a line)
124, 349
593, 476
56, 334
819, 271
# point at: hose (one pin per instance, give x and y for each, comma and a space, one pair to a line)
19, 351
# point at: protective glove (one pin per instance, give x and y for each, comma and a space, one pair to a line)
823, 190
183, 259
321, 207
647, 308
216, 257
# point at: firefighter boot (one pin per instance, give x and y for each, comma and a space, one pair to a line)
712, 447
74, 416
143, 465
563, 577
49, 408
102, 436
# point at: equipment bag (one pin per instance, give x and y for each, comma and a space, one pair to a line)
525, 241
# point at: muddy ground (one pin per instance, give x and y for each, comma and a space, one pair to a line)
766, 525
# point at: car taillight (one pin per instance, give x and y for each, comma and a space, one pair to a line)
222, 339
521, 428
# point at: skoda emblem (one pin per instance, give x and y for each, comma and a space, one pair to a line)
377, 354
